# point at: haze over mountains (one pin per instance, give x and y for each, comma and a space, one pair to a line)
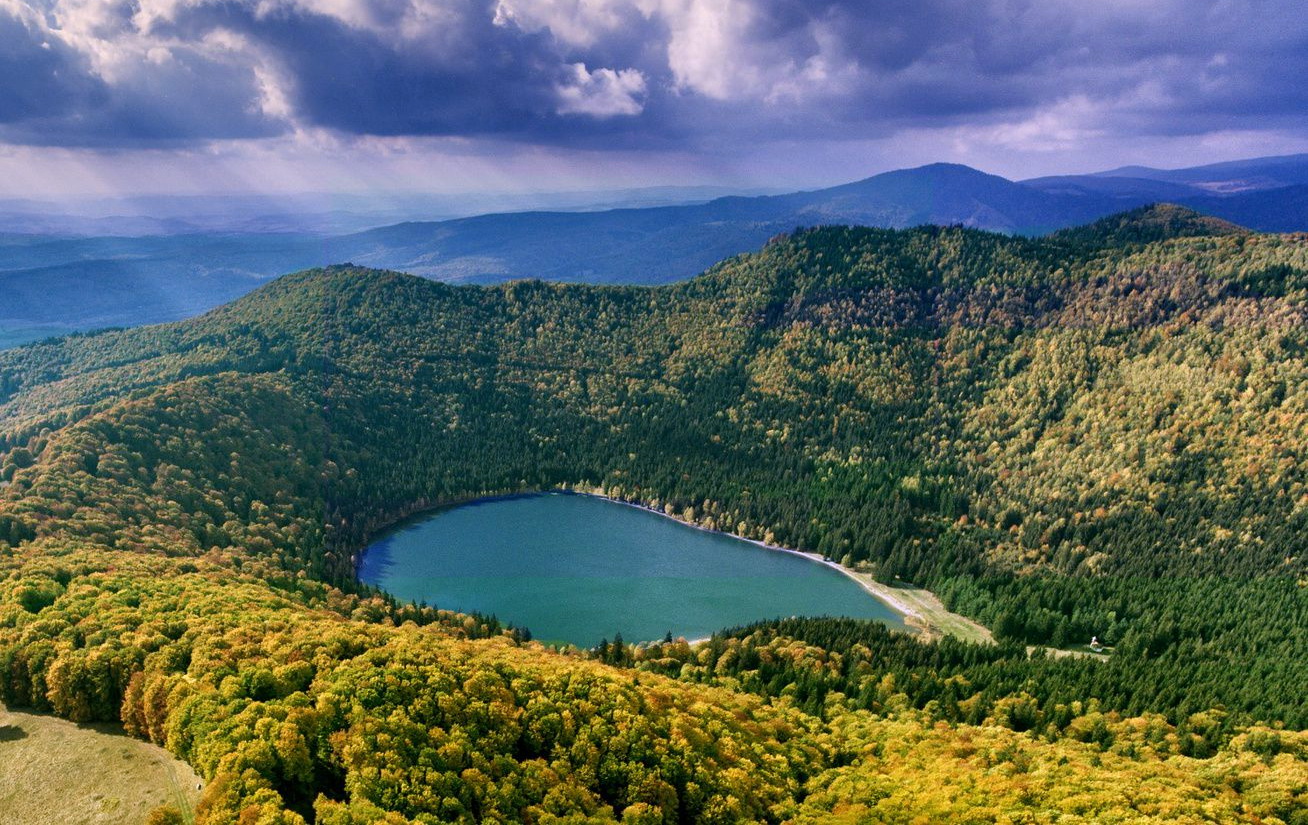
328, 213
53, 284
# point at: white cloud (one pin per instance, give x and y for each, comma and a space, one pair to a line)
714, 48
573, 22
1060, 127
709, 50
737, 50
602, 93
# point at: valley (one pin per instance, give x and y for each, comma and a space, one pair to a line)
1091, 433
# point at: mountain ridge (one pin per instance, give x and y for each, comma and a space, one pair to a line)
1148, 224
45, 283
1254, 173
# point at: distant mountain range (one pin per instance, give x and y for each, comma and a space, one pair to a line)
57, 284
324, 213
1266, 194
1228, 177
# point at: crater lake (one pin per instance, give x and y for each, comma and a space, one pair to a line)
578, 569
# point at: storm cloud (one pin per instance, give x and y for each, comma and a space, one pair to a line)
633, 73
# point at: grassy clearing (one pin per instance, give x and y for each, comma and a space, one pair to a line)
1076, 651
925, 611
929, 616
54, 772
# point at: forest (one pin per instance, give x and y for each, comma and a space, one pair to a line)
1098, 432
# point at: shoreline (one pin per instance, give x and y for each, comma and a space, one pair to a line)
920, 611
880, 592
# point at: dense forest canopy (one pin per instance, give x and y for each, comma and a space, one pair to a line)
1094, 433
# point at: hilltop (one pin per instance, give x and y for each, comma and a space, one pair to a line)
1156, 222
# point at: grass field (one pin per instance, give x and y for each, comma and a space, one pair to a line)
54, 772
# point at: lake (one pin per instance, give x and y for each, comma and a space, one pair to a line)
577, 569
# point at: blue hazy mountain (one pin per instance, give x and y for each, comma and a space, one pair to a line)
325, 213
51, 284
648, 246
1122, 188
1284, 209
1267, 194
1231, 176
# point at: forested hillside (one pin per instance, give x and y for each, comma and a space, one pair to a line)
1095, 433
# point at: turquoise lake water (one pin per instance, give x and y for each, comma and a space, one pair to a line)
578, 569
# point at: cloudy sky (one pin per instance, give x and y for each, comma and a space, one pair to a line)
116, 96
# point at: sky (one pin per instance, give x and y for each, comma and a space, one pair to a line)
105, 97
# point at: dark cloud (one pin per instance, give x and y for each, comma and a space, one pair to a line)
458, 75
51, 93
632, 73
40, 77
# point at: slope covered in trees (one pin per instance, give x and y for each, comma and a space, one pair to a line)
1095, 433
